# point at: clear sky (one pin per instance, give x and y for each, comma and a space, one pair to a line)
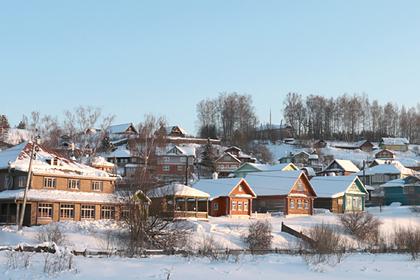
136, 57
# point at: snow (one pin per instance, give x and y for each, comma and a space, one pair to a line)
395, 141
58, 195
273, 182
227, 232
179, 190
267, 167
14, 136
120, 152
18, 157
347, 165
119, 128
392, 168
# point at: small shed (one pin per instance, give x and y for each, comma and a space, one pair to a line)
178, 201
339, 194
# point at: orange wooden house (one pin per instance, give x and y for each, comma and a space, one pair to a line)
228, 197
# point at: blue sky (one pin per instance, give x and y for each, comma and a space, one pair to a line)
137, 57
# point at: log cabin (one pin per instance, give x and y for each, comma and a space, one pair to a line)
288, 192
60, 189
339, 194
228, 197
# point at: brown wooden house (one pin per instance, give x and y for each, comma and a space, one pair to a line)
289, 192
60, 190
340, 167
229, 197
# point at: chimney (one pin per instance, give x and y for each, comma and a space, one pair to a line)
215, 175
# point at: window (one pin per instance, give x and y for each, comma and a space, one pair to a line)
183, 159
299, 204
180, 168
292, 204
125, 213
108, 212
8, 182
234, 205
73, 184
245, 205
216, 206
67, 211
87, 212
21, 181
300, 186
239, 205
166, 168
166, 159
45, 210
306, 204
97, 186
50, 182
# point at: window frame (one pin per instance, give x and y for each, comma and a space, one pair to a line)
45, 208
107, 210
70, 184
67, 211
50, 183
95, 183
87, 209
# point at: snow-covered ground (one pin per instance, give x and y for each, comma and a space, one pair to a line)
227, 232
357, 266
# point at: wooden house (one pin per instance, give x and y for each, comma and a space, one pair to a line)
248, 167
176, 131
394, 144
362, 145
228, 197
319, 144
226, 164
385, 154
289, 192
60, 190
340, 167
383, 173
301, 158
125, 129
404, 190
339, 194
175, 163
178, 201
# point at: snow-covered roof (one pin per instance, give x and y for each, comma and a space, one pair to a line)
394, 167
58, 195
394, 141
332, 186
119, 128
219, 187
169, 129
401, 182
179, 190
101, 161
120, 152
347, 165
273, 182
268, 167
18, 157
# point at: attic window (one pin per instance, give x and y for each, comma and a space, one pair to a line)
52, 161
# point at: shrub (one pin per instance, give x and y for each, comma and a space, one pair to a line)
408, 239
364, 226
324, 244
259, 235
51, 233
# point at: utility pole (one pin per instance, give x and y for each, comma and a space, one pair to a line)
186, 170
28, 182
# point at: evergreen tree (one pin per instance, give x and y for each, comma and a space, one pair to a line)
208, 156
4, 122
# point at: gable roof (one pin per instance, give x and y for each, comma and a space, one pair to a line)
220, 187
18, 157
229, 154
394, 167
120, 128
402, 182
394, 141
176, 189
346, 165
335, 186
259, 167
275, 182
184, 150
